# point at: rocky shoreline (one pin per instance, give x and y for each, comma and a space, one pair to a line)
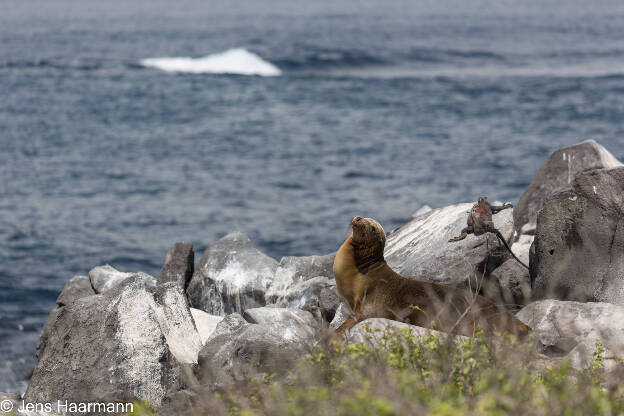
238, 313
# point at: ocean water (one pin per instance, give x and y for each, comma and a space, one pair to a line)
126, 126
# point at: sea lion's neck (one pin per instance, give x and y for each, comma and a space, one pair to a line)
346, 273
368, 257
344, 264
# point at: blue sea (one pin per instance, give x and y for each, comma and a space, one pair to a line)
126, 126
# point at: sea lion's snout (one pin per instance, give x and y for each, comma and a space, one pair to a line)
367, 231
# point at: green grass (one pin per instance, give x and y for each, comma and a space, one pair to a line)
485, 375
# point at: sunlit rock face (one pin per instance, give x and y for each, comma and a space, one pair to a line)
292, 271
127, 343
105, 278
231, 276
205, 323
420, 249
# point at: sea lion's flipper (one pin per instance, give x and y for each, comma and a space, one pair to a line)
340, 334
464, 234
349, 323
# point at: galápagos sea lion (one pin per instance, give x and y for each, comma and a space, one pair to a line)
373, 290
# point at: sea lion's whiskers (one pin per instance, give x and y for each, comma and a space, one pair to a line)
348, 230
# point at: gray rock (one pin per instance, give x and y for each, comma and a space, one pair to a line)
570, 330
105, 278
78, 287
292, 271
45, 331
299, 321
231, 276
342, 313
317, 296
12, 400
184, 403
299, 269
370, 332
421, 211
229, 324
557, 173
420, 249
239, 350
179, 265
10, 396
514, 283
205, 323
15, 401
522, 246
128, 343
578, 249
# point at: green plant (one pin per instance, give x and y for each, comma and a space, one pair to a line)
430, 375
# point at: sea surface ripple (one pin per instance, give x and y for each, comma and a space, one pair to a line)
371, 109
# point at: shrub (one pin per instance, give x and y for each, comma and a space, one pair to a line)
431, 375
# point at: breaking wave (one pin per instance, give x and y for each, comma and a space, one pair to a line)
237, 61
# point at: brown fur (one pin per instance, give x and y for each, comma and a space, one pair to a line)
373, 290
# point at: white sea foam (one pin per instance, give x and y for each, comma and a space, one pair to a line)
233, 61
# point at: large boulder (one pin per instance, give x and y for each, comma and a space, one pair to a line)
128, 343
239, 350
569, 330
420, 249
231, 276
578, 251
179, 265
317, 296
557, 173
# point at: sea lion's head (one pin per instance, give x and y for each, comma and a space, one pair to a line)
369, 240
